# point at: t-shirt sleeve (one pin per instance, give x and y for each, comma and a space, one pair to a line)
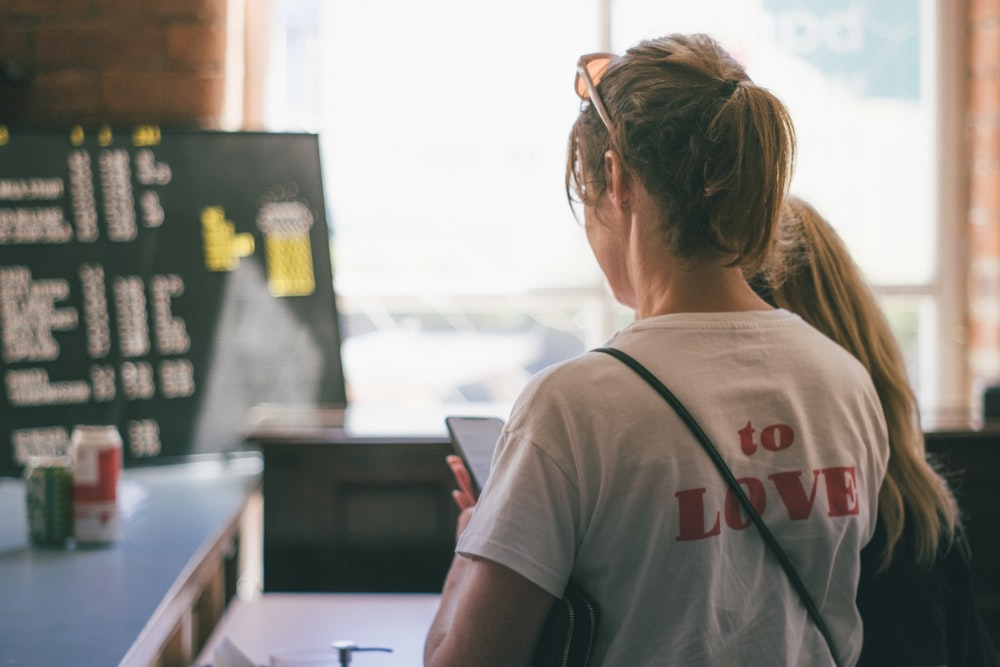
528, 514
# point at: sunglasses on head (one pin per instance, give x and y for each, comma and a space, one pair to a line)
589, 70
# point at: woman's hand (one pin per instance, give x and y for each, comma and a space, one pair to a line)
465, 495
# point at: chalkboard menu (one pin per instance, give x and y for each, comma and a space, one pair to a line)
163, 281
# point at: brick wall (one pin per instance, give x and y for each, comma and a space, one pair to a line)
114, 61
983, 129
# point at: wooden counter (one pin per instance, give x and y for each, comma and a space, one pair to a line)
150, 599
367, 514
289, 623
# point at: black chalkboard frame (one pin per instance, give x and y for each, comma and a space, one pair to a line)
217, 251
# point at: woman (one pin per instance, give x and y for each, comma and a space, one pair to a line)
915, 593
681, 164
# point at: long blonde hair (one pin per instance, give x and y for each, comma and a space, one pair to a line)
815, 277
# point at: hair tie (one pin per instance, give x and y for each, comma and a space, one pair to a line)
729, 87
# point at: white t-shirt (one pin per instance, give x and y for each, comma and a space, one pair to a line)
596, 479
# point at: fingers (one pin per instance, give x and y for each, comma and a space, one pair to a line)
464, 495
462, 477
463, 500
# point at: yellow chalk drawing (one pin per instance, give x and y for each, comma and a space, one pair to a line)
146, 135
287, 248
223, 246
105, 136
289, 266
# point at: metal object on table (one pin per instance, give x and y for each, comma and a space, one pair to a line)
346, 648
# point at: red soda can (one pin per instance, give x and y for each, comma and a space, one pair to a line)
96, 452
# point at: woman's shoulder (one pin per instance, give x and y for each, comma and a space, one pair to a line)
570, 380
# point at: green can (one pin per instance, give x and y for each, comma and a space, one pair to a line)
48, 485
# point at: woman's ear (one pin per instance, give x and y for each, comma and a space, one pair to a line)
618, 179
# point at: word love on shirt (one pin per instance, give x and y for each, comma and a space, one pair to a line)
703, 515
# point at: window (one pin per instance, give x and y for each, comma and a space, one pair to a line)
443, 124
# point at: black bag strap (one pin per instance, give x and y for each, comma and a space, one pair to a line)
734, 485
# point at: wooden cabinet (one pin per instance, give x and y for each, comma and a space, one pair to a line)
970, 460
345, 514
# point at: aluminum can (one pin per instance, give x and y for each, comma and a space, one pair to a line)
96, 452
48, 486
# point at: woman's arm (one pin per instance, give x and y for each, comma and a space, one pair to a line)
489, 615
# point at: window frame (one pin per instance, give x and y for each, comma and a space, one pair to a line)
946, 391
949, 289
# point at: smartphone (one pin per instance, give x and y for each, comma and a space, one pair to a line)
474, 439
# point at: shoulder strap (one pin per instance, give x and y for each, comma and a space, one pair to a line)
734, 485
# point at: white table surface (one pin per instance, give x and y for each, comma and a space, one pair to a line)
276, 622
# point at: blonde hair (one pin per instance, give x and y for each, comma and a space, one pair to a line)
814, 276
712, 147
